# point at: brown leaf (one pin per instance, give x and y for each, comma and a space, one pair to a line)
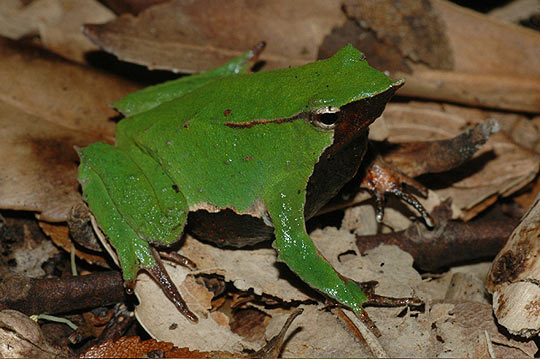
502, 73
127, 347
408, 33
192, 36
48, 106
59, 234
57, 23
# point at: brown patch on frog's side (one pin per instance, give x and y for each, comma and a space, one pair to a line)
227, 228
358, 115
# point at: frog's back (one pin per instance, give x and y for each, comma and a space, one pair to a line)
339, 80
226, 143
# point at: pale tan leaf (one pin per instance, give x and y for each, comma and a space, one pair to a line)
57, 23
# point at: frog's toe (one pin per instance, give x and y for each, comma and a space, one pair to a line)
178, 259
160, 275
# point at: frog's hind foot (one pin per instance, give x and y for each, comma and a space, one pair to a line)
382, 178
160, 275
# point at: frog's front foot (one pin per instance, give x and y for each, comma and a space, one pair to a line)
382, 178
382, 301
160, 275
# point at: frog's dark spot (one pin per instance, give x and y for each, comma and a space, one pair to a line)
299, 191
248, 158
173, 326
227, 113
175, 188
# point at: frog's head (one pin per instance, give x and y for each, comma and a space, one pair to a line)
350, 122
345, 94
349, 99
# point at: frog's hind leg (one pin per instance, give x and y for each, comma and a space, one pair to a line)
136, 205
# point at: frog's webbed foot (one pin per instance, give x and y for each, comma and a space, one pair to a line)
160, 275
382, 178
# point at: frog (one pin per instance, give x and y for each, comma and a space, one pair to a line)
235, 158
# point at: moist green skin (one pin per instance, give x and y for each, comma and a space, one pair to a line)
227, 140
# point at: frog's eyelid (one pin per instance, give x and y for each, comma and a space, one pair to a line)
327, 109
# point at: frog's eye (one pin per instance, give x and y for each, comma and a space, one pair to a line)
325, 117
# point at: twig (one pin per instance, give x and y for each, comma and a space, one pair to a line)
450, 243
60, 295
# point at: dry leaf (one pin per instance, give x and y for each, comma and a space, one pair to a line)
57, 23
500, 167
515, 11
130, 6
255, 270
502, 73
188, 36
59, 234
127, 347
163, 321
48, 106
410, 32
21, 337
457, 323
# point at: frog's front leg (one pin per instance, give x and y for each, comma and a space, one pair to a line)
136, 205
285, 204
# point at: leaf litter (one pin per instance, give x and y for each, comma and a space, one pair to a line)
518, 145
